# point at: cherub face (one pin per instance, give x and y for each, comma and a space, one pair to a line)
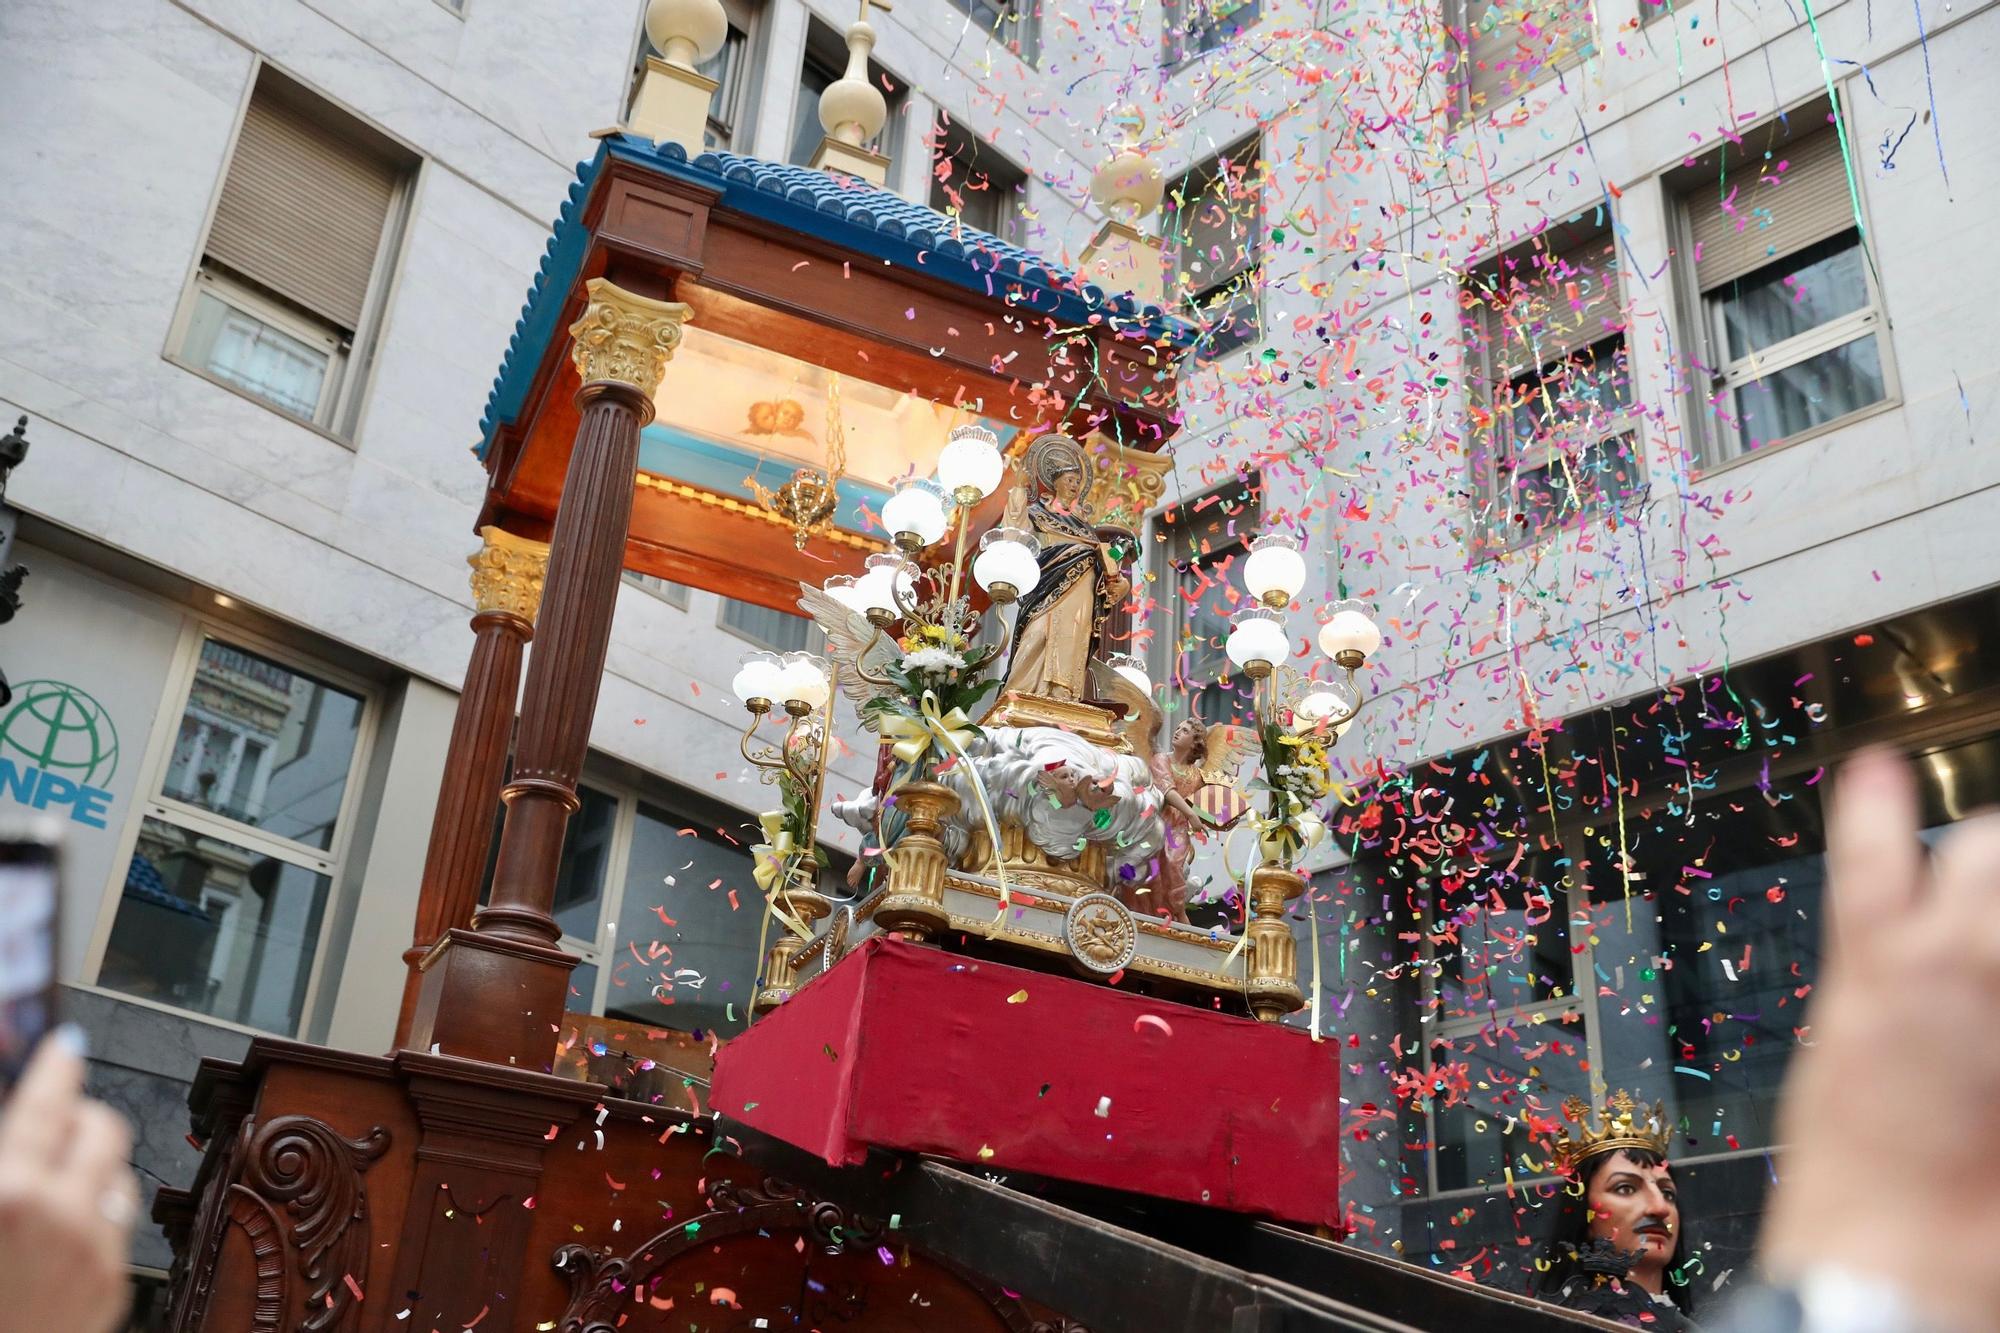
790, 414
1188, 736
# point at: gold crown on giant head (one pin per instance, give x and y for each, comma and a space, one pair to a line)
1622, 1124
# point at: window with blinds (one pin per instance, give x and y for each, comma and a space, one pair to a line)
1214, 228
303, 223
775, 630
1555, 435
1507, 47
1791, 316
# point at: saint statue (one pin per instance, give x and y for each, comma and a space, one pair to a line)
1080, 580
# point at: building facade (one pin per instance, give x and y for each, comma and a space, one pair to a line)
1615, 356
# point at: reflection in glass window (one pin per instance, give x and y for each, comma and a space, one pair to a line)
264, 745
1494, 1091
263, 360
688, 930
1191, 27
586, 856
216, 928
1810, 393
224, 899
1213, 224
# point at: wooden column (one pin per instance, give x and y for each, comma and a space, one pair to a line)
507, 577
496, 992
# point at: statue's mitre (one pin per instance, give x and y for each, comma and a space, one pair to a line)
1623, 1123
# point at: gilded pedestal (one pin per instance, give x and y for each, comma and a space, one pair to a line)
914, 903
781, 963
1029, 865
1272, 987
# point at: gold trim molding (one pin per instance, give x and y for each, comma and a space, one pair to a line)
653, 481
507, 573
625, 338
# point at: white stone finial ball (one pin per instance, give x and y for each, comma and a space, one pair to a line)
687, 32
1129, 186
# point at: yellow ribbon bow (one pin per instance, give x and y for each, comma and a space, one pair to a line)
771, 867
913, 736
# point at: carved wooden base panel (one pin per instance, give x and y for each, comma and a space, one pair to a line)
734, 1264
293, 1190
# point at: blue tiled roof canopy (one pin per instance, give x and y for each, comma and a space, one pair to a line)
848, 213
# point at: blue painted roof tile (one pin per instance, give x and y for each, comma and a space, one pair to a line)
846, 212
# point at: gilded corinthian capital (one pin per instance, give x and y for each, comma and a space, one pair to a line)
624, 337
507, 574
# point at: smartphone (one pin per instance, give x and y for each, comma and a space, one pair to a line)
30, 883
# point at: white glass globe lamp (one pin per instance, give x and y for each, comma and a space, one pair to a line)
1257, 641
1275, 569
1005, 566
970, 466
914, 515
759, 680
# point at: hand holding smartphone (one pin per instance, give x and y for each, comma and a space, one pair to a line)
30, 884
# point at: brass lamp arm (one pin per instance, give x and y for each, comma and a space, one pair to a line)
880, 682
772, 760
993, 651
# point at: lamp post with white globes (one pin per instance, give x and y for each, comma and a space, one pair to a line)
1274, 571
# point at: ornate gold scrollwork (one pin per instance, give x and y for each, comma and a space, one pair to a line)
625, 338
507, 573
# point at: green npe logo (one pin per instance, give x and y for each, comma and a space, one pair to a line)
58, 748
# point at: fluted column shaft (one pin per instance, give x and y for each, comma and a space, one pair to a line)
507, 575
621, 350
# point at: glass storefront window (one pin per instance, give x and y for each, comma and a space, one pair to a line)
688, 929
265, 745
214, 927
1495, 1084
225, 898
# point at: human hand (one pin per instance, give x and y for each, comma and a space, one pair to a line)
1890, 1170
68, 1199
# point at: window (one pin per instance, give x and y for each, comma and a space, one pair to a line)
1692, 991
731, 110
1214, 227
673, 594
1015, 24
825, 61
1506, 47
1555, 435
1791, 316
223, 905
1502, 980
778, 631
1192, 27
1203, 541
284, 302
661, 908
971, 181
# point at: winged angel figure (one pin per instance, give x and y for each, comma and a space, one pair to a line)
863, 653
1195, 776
